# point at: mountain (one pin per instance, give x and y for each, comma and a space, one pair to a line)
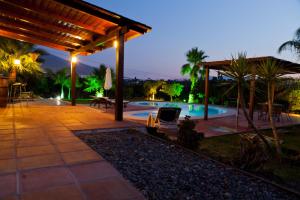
56, 63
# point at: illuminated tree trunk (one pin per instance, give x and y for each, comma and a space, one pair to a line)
62, 95
271, 87
191, 95
69, 94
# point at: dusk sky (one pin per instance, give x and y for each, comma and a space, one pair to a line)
219, 27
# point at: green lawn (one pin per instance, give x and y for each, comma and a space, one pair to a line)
226, 149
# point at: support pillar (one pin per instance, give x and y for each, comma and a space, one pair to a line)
119, 74
206, 93
73, 79
252, 91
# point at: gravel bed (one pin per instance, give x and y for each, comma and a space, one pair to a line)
164, 171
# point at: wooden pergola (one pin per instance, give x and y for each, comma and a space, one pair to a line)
75, 26
290, 67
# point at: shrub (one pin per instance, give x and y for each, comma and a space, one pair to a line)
253, 153
187, 136
153, 131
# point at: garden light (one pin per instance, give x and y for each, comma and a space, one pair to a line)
74, 59
17, 62
116, 43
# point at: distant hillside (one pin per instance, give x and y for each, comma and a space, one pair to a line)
56, 63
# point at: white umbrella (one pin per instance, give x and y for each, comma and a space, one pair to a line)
107, 83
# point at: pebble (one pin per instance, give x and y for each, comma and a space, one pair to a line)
162, 171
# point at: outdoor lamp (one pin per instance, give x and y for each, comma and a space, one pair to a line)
17, 62
115, 43
74, 59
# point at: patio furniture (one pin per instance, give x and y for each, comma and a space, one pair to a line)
287, 108
100, 101
105, 101
263, 111
165, 120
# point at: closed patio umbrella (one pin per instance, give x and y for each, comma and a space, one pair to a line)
108, 82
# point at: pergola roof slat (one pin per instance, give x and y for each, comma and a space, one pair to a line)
69, 25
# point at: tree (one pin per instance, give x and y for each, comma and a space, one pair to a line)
270, 72
17, 56
61, 79
151, 87
293, 44
93, 83
239, 71
195, 58
172, 89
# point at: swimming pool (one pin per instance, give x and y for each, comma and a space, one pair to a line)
196, 111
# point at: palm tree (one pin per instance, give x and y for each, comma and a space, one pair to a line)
239, 71
195, 58
270, 72
293, 44
93, 83
26, 54
61, 79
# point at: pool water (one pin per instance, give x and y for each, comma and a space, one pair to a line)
193, 110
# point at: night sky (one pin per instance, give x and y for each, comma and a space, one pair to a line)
219, 27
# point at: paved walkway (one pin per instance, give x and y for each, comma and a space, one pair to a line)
227, 125
40, 158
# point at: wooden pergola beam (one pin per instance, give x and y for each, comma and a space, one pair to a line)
26, 38
120, 73
38, 31
41, 23
85, 7
110, 36
45, 13
41, 38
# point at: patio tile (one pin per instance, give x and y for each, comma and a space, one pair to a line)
74, 146
39, 161
7, 144
13, 197
29, 135
7, 165
69, 192
55, 128
35, 150
6, 153
58, 140
110, 189
93, 171
60, 134
80, 156
7, 185
6, 131
29, 130
5, 137
45, 178
33, 142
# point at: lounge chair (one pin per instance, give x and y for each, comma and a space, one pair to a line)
165, 120
106, 102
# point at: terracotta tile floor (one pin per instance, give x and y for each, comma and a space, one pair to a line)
40, 158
